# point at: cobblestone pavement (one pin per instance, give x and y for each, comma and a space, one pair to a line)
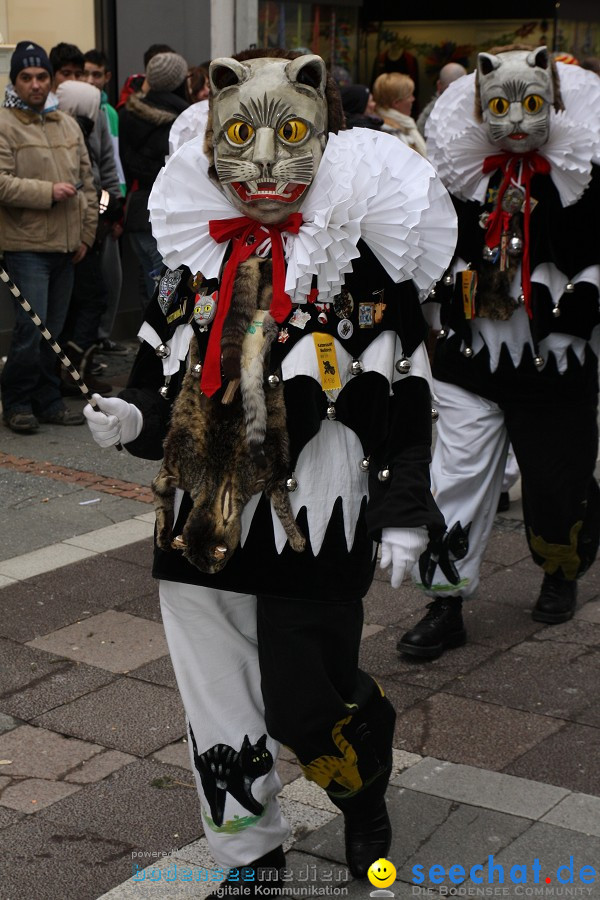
497, 759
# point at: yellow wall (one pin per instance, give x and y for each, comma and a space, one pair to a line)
47, 24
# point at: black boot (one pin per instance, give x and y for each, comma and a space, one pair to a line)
84, 363
265, 877
557, 601
368, 837
442, 627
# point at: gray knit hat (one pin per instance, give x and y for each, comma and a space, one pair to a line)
166, 71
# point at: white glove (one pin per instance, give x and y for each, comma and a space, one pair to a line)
115, 421
402, 547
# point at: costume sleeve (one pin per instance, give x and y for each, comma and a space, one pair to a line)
403, 499
89, 223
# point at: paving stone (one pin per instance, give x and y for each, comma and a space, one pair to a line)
570, 758
130, 808
39, 753
578, 812
385, 605
506, 548
589, 612
443, 726
34, 681
159, 671
102, 578
379, 657
549, 683
56, 865
110, 640
99, 766
138, 553
414, 818
5, 581
577, 631
103, 539
145, 606
9, 817
479, 787
32, 794
553, 847
310, 794
167, 879
465, 838
128, 715
176, 754
7, 723
36, 563
28, 610
402, 696
487, 623
303, 819
287, 771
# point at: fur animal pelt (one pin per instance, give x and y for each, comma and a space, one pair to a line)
222, 451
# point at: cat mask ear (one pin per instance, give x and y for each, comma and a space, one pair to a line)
309, 70
225, 72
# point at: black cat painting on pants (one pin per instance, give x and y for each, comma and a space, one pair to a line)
224, 770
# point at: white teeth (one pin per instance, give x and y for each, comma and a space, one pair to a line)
252, 187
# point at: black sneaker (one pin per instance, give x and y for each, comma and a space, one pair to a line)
557, 601
441, 628
22, 422
111, 347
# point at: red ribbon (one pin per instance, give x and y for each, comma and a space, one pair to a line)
531, 164
246, 236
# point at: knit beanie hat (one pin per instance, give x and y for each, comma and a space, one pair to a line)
28, 55
166, 71
78, 98
354, 99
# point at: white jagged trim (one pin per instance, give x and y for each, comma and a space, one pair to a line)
178, 345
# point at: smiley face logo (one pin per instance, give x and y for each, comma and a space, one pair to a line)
381, 873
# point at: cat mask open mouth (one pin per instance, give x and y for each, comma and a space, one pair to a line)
251, 191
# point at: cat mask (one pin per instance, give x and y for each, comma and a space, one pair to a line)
269, 123
516, 94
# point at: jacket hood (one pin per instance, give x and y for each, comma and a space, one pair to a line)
156, 108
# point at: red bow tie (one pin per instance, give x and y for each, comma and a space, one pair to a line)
531, 164
247, 234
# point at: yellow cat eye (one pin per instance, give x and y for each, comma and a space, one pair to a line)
293, 132
240, 133
498, 106
533, 103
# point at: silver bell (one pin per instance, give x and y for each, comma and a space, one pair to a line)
164, 391
468, 352
515, 246
569, 287
197, 369
489, 253
331, 411
273, 381
434, 414
356, 367
521, 299
448, 279
403, 366
291, 484
364, 465
442, 333
162, 351
556, 311
432, 292
538, 361
384, 475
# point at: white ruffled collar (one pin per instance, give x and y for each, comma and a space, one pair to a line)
368, 186
457, 144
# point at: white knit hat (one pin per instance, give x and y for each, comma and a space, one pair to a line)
166, 71
78, 98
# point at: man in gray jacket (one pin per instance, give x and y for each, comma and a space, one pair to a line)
48, 219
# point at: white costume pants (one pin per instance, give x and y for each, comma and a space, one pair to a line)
467, 472
212, 641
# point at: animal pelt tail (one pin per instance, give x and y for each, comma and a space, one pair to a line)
253, 392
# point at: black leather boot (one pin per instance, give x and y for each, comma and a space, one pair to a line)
441, 628
367, 836
264, 880
557, 601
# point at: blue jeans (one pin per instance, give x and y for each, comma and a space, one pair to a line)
30, 380
144, 245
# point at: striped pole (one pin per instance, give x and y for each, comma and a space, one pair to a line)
66, 362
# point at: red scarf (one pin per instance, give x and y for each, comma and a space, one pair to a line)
246, 236
498, 222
